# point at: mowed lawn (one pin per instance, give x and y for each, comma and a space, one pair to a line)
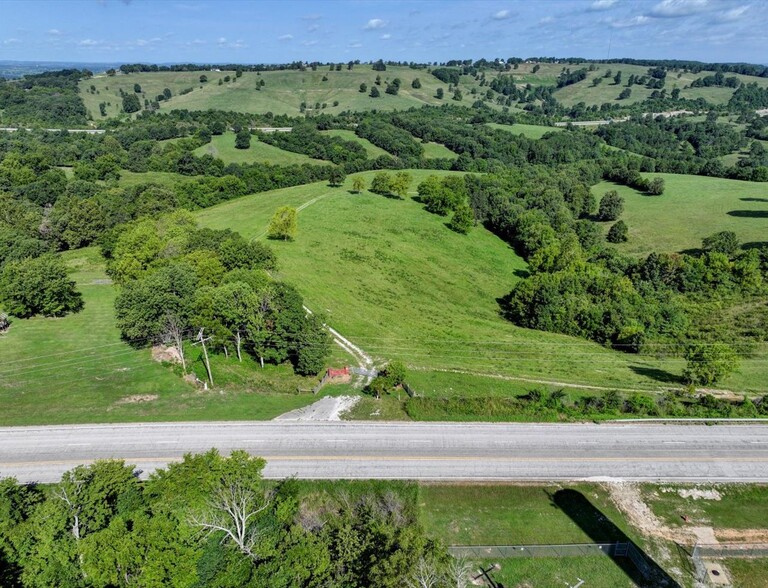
691, 208
397, 282
223, 147
530, 131
75, 369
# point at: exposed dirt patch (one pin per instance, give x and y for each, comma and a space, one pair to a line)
742, 535
137, 399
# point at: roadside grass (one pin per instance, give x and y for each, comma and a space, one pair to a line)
394, 280
498, 514
437, 151
597, 572
747, 573
530, 131
76, 369
223, 147
741, 506
386, 408
372, 150
691, 208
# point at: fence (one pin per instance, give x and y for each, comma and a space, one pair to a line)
507, 551
731, 550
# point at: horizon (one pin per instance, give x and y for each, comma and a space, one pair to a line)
190, 31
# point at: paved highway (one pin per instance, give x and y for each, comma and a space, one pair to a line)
427, 451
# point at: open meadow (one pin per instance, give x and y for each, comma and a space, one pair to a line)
282, 92
691, 208
223, 147
397, 282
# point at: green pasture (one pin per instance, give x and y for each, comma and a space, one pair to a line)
396, 281
223, 147
691, 208
437, 151
76, 369
530, 131
282, 92
372, 150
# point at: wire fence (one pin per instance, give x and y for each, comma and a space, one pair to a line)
570, 550
731, 550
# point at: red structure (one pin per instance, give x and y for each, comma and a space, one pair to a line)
338, 373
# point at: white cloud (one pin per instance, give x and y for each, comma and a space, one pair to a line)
88, 43
375, 23
355, 45
547, 20
239, 44
142, 42
602, 4
54, 32
221, 41
678, 8
385, 37
733, 14
635, 21
313, 27
11, 41
502, 15
285, 37
309, 43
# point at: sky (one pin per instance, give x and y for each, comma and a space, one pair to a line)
245, 31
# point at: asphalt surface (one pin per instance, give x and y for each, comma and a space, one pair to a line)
427, 451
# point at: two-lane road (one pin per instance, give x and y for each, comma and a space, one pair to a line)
426, 451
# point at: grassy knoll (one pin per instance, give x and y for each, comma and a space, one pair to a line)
397, 282
372, 150
733, 506
691, 208
530, 131
76, 369
282, 93
223, 147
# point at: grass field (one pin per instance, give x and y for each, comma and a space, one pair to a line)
691, 208
398, 283
530, 131
372, 150
436, 151
76, 369
545, 572
283, 92
747, 573
223, 147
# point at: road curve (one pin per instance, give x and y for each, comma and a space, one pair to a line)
426, 451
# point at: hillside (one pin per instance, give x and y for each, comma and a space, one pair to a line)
394, 280
282, 93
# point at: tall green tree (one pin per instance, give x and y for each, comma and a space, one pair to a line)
284, 224
38, 286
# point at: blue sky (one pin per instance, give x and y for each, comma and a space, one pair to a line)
243, 31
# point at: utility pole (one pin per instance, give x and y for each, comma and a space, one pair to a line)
202, 340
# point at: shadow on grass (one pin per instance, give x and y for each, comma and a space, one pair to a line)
656, 374
754, 199
748, 213
754, 245
601, 530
